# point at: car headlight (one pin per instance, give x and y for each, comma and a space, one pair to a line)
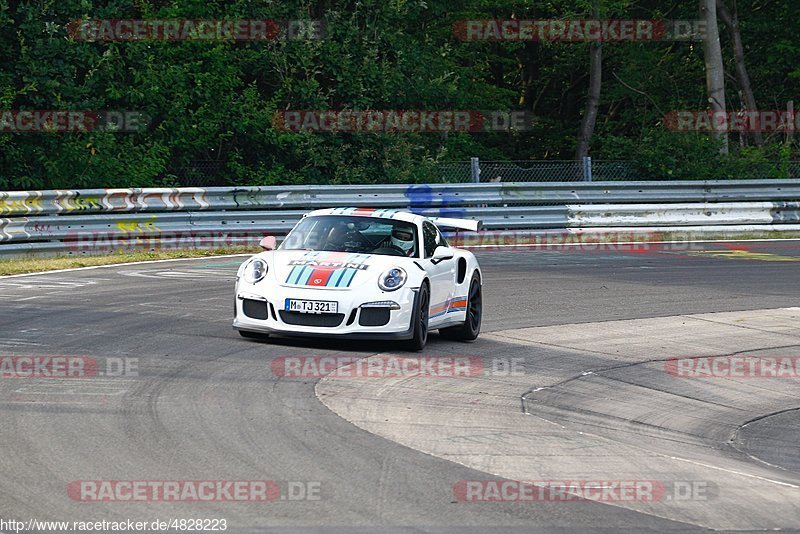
255, 271
392, 279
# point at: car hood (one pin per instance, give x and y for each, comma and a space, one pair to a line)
331, 270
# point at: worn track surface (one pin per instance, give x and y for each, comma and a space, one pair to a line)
206, 405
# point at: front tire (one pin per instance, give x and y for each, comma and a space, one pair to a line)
469, 330
420, 320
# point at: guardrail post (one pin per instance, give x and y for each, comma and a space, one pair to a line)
587, 169
475, 170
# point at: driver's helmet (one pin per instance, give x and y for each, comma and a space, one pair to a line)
403, 238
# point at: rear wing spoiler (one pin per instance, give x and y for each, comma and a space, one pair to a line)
462, 224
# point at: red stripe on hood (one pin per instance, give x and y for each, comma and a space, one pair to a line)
320, 276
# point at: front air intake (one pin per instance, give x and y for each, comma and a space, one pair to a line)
255, 309
328, 320
374, 316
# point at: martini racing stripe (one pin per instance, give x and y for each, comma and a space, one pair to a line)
347, 277
455, 304
311, 273
349, 273
366, 212
324, 276
335, 278
299, 270
439, 309
338, 275
342, 211
387, 213
319, 277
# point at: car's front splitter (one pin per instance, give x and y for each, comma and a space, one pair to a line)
377, 336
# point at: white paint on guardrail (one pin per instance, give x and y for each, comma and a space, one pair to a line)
717, 214
52, 221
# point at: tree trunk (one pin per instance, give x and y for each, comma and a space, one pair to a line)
732, 22
592, 102
715, 72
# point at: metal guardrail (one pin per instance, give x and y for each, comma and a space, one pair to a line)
22, 203
103, 220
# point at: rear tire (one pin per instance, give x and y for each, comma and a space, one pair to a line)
420, 320
469, 330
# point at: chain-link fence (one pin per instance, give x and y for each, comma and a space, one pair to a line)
556, 171
200, 173
207, 173
790, 169
451, 172
531, 171
587, 170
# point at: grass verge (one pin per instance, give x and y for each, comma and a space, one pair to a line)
36, 265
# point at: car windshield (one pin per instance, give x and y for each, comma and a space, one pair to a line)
364, 235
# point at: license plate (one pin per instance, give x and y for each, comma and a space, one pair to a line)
311, 306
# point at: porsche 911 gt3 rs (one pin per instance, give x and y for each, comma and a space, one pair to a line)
362, 273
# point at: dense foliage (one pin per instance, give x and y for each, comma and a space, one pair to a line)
211, 103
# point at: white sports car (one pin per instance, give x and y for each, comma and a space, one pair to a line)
365, 274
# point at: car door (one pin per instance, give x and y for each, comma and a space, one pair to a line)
441, 274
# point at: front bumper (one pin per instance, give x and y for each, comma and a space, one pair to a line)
261, 309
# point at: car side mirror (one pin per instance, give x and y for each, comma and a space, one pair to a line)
442, 253
268, 243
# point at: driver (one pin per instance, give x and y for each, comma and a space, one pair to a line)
403, 238
344, 237
337, 235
